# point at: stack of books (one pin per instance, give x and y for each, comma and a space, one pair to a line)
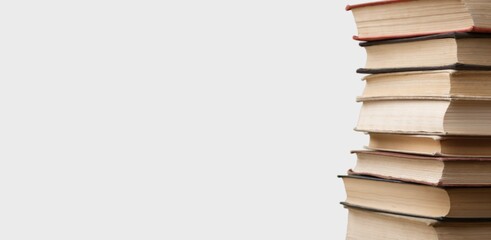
426, 172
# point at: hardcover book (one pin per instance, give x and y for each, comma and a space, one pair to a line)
457, 51
407, 18
367, 224
440, 203
420, 84
450, 146
430, 170
427, 115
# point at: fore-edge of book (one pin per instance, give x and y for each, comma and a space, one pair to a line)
470, 29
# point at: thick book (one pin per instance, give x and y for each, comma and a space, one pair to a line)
427, 115
366, 224
407, 18
441, 203
429, 170
449, 146
457, 51
440, 83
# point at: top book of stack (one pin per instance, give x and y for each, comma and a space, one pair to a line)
410, 18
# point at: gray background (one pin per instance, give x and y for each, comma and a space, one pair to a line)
176, 119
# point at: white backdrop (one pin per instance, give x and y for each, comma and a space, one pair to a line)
176, 119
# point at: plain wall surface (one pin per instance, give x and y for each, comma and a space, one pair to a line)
176, 119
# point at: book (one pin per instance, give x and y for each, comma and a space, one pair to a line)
441, 203
365, 224
443, 83
403, 18
429, 115
429, 170
449, 146
459, 51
